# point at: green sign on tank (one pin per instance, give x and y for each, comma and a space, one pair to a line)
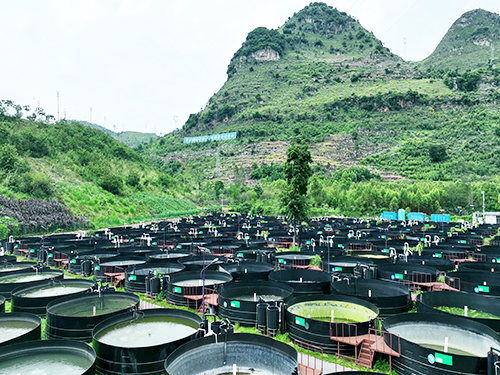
444, 359
385, 250
132, 278
483, 289
32, 250
73, 261
155, 243
398, 276
281, 260
235, 304
51, 255
438, 255
300, 321
339, 269
97, 268
239, 255
177, 290
132, 240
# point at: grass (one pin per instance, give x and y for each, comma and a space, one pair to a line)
162, 303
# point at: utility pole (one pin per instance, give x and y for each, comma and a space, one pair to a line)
57, 105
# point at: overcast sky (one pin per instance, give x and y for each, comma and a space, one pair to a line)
143, 64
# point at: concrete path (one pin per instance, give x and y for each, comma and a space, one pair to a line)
327, 366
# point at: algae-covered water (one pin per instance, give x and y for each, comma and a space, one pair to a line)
471, 313
342, 311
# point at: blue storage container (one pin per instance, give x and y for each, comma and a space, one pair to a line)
387, 215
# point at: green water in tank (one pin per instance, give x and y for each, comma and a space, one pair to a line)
147, 331
46, 364
10, 329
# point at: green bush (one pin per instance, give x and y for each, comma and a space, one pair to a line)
112, 182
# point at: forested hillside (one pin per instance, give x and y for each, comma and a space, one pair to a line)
323, 79
91, 174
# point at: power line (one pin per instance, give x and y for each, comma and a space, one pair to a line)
358, 8
349, 11
399, 19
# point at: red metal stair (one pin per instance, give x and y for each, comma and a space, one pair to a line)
365, 356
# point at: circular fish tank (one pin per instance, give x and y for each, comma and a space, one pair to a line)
407, 271
23, 278
389, 297
238, 301
309, 319
75, 317
240, 353
295, 259
304, 282
171, 257
478, 282
437, 344
14, 266
35, 297
196, 263
19, 327
135, 277
139, 342
479, 308
441, 264
47, 358
248, 270
377, 257
186, 288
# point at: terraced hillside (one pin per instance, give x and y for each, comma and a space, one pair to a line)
324, 79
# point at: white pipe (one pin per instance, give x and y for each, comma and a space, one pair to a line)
446, 345
234, 368
369, 293
333, 316
466, 311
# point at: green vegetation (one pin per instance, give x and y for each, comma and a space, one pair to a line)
297, 172
130, 138
468, 43
90, 173
383, 133
471, 313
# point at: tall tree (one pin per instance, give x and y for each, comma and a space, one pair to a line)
297, 171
